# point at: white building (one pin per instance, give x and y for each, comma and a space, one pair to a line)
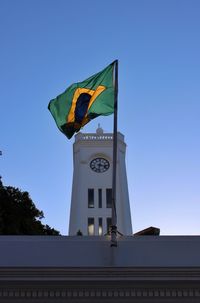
80, 269
92, 185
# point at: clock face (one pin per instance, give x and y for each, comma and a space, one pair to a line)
99, 165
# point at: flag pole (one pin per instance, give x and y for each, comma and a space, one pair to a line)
114, 214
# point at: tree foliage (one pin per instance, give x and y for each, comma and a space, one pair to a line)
19, 215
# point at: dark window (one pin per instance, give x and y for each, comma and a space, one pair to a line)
90, 226
100, 197
100, 226
108, 197
90, 198
109, 223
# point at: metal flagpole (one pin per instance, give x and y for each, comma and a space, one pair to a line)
114, 214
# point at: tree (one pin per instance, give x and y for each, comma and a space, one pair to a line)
19, 215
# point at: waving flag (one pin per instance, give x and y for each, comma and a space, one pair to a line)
84, 101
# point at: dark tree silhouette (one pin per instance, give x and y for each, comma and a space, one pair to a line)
19, 215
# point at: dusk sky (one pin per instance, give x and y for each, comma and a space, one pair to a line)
48, 45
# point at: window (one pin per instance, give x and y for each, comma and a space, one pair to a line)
109, 223
108, 197
100, 226
90, 198
90, 226
100, 197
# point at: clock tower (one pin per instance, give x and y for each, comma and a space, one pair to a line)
92, 185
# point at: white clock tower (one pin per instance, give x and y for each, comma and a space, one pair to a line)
92, 185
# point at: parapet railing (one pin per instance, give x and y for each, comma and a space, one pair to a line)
97, 137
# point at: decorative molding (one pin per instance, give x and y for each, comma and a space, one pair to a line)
115, 284
99, 274
100, 293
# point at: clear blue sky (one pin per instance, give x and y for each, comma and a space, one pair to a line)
47, 45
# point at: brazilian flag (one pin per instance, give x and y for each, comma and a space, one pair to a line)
84, 101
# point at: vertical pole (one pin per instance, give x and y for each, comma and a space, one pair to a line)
114, 214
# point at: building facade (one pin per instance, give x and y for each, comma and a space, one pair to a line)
141, 269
